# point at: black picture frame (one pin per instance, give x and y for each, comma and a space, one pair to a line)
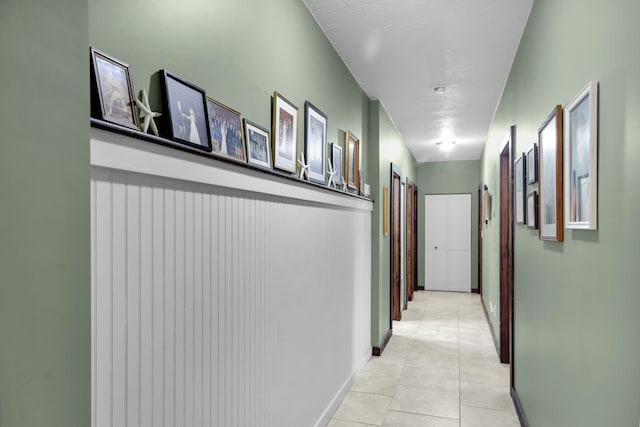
532, 164
180, 97
315, 142
520, 189
258, 143
112, 96
532, 210
225, 130
336, 162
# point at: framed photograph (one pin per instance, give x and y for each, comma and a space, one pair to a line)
257, 140
581, 160
336, 162
315, 142
532, 210
486, 204
532, 164
385, 210
550, 186
520, 190
185, 112
352, 160
111, 81
225, 128
284, 133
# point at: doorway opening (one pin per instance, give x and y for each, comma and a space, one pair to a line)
396, 247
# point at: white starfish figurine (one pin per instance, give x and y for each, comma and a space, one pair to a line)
147, 115
332, 175
304, 168
343, 184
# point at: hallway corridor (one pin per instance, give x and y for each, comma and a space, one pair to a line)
440, 369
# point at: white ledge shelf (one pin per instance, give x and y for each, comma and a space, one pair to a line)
123, 149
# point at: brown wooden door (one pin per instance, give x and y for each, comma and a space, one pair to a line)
506, 247
396, 312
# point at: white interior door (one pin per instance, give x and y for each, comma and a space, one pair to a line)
448, 242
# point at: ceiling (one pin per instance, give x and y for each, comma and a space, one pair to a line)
398, 50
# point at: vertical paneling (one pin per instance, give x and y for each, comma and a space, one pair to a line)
215, 307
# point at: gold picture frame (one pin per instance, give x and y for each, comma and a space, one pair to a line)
352, 160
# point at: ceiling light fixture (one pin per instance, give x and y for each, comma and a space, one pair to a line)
439, 89
445, 146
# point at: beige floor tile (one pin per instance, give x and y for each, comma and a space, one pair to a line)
426, 401
433, 359
385, 363
405, 419
493, 374
341, 423
480, 417
363, 408
446, 380
377, 382
486, 396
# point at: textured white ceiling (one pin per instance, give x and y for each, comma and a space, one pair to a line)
399, 49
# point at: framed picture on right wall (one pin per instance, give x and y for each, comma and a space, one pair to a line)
550, 180
581, 160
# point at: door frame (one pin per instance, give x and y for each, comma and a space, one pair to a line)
506, 224
395, 245
480, 233
412, 240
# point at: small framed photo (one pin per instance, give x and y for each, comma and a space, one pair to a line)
532, 164
581, 160
352, 160
520, 190
284, 133
532, 210
225, 128
257, 140
115, 100
550, 186
336, 162
315, 142
185, 110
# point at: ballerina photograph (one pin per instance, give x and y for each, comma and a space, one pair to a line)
186, 105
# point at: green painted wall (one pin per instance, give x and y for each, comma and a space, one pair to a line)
449, 178
45, 317
240, 52
577, 303
387, 147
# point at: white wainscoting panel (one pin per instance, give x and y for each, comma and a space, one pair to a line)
219, 306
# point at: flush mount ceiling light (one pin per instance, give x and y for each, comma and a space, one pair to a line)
445, 146
439, 89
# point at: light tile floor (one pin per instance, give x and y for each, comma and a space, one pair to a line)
440, 369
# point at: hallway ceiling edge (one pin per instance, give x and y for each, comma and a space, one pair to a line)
399, 51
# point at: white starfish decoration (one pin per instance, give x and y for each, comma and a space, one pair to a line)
332, 175
343, 184
147, 115
304, 168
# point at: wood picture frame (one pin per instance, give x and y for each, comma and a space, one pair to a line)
550, 216
352, 160
284, 133
532, 210
532, 164
113, 99
185, 112
315, 142
520, 190
225, 130
385, 210
336, 162
258, 144
581, 160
